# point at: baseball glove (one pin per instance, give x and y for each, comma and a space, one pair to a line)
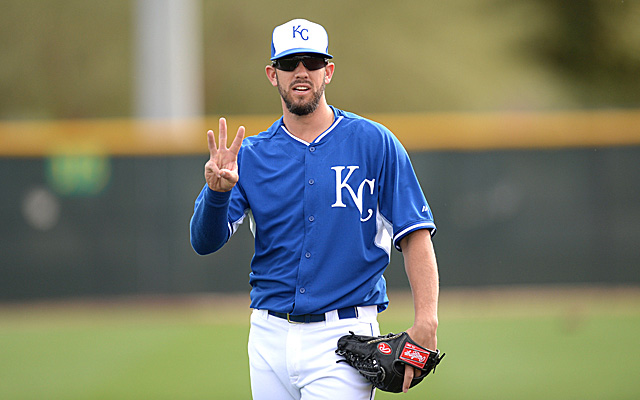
382, 359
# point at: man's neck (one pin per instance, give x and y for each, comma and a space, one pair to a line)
309, 127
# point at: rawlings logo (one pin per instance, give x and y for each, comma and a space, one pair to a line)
384, 348
414, 355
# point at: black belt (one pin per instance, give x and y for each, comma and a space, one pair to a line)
347, 312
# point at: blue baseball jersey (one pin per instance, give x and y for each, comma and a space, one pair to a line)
324, 214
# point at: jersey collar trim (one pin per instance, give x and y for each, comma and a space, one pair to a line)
336, 122
319, 138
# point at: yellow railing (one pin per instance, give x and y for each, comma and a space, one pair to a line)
418, 132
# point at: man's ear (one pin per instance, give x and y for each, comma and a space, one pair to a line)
271, 74
330, 68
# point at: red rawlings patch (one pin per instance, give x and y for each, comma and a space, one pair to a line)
414, 355
384, 348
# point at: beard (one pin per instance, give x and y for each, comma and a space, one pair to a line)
301, 107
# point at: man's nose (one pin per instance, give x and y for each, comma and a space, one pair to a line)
301, 69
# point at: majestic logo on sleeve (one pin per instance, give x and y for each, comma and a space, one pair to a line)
343, 184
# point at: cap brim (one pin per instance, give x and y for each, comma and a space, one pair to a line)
300, 50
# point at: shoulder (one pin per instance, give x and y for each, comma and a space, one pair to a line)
255, 141
368, 129
360, 121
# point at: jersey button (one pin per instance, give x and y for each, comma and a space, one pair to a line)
302, 290
312, 149
312, 218
307, 254
312, 181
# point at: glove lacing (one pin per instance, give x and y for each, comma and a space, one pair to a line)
367, 366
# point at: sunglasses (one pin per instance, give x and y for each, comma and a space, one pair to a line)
291, 63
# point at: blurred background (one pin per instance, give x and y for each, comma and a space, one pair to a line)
521, 117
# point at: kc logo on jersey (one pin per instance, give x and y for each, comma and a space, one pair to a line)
357, 198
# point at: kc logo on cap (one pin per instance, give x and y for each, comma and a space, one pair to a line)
299, 36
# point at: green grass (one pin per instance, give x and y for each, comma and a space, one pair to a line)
516, 358
119, 352
505, 346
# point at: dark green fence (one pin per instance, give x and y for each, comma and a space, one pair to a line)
103, 226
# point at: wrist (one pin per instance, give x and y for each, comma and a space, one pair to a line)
216, 198
428, 325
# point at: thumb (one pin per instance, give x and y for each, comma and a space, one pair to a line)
229, 175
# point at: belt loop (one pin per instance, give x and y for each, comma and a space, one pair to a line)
332, 316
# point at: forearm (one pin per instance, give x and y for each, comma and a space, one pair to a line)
209, 225
422, 272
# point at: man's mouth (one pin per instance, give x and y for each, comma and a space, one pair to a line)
301, 88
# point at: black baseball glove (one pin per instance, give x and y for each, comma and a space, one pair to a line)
382, 359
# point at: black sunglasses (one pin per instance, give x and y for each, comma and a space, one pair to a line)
291, 63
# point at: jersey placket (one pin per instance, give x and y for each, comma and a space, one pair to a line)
308, 259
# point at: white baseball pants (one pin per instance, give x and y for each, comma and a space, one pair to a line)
291, 361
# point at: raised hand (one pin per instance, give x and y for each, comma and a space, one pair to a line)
221, 171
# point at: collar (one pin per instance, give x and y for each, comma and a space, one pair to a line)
336, 120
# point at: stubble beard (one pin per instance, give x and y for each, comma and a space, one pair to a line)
301, 108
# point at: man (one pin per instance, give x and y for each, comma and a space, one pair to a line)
327, 193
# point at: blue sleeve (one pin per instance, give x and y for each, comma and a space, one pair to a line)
209, 224
403, 202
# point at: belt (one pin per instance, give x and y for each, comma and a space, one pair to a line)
343, 313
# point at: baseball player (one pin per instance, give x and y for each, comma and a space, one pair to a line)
326, 193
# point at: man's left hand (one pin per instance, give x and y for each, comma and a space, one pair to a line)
425, 337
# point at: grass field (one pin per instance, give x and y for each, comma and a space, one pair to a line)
529, 343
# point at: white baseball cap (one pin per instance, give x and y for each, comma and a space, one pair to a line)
299, 36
